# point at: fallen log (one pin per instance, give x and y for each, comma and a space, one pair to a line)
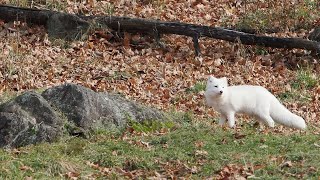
70, 26
197, 31
58, 24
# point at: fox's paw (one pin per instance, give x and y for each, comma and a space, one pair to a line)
231, 124
271, 124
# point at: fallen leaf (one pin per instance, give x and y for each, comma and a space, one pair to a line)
201, 153
286, 164
72, 175
318, 90
25, 168
239, 135
199, 144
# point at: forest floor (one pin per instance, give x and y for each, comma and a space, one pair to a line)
170, 78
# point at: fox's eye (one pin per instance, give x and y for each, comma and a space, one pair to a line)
215, 86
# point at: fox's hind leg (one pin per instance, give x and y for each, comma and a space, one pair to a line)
267, 119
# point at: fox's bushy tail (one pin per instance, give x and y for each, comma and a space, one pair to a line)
282, 115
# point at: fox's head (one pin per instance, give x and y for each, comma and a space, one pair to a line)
216, 86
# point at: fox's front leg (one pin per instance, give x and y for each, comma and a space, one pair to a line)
231, 120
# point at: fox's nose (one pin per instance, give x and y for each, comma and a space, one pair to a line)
221, 92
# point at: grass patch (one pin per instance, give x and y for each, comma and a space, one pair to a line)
261, 51
255, 20
295, 95
151, 126
287, 95
305, 79
7, 96
108, 8
279, 16
49, 4
208, 149
198, 87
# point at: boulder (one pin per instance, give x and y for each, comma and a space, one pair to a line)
28, 119
33, 118
91, 110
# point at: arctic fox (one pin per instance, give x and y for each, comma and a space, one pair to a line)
253, 100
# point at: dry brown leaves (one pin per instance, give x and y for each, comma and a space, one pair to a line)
237, 171
154, 76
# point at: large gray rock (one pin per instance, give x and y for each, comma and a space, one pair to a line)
32, 118
28, 119
90, 110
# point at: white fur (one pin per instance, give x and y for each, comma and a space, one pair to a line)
252, 100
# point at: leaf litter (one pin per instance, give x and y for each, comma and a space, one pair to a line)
160, 77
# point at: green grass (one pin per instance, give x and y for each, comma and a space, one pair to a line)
109, 9
8, 95
294, 16
196, 88
50, 4
261, 51
305, 79
151, 126
218, 148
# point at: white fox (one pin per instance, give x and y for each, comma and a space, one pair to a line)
253, 100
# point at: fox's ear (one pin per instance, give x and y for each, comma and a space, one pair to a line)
225, 81
212, 78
